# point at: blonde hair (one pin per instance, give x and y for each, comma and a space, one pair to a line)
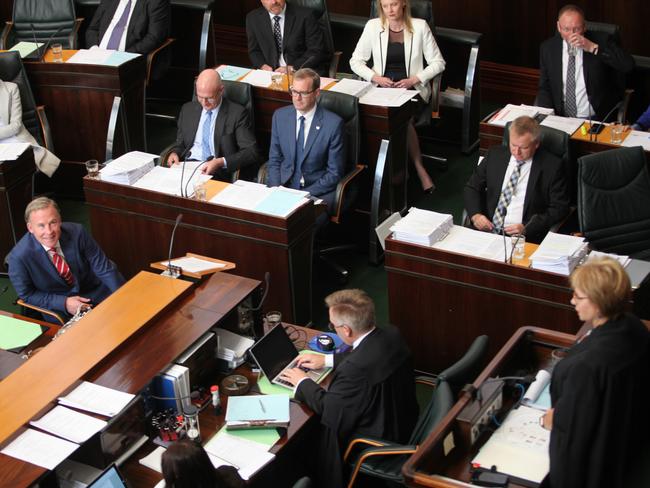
605, 283
526, 125
354, 308
39, 204
407, 15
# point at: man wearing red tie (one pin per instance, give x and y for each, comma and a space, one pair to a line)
59, 266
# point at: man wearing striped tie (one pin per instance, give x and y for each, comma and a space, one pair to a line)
58, 265
520, 189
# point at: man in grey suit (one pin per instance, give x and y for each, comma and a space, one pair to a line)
214, 130
307, 142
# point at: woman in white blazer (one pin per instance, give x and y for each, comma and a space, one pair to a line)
13, 130
398, 45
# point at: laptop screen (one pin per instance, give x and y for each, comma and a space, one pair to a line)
110, 478
274, 351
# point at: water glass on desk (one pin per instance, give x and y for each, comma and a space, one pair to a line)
200, 192
92, 166
271, 319
617, 133
57, 52
518, 242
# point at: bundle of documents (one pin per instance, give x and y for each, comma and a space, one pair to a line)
538, 394
170, 180
623, 260
12, 150
518, 448
257, 411
356, 88
278, 201
368, 94
422, 227
248, 457
104, 57
565, 124
637, 138
232, 347
559, 253
471, 242
128, 168
511, 112
69, 424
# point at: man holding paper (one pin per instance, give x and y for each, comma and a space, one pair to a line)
518, 190
214, 129
372, 390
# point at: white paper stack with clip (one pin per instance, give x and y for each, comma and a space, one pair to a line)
559, 253
128, 168
422, 227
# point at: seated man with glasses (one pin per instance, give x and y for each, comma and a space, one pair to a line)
372, 389
214, 130
307, 142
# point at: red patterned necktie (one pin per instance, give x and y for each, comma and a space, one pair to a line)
61, 266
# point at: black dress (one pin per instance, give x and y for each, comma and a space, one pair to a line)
395, 63
600, 396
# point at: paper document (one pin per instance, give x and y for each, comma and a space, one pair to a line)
246, 456
475, 243
128, 168
281, 202
168, 180
243, 409
519, 447
90, 56
387, 97
16, 333
258, 77
356, 88
74, 426
624, 260
120, 57
565, 124
511, 112
637, 138
153, 460
43, 450
26, 48
232, 73
12, 151
277, 201
194, 265
98, 399
265, 437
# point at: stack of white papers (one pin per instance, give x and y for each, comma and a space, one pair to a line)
356, 88
246, 456
559, 253
26, 48
106, 57
233, 73
637, 138
168, 180
97, 399
624, 260
12, 151
368, 94
69, 424
232, 347
511, 112
128, 168
278, 201
422, 227
476, 243
40, 449
565, 124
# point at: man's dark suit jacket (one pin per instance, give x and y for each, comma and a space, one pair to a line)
604, 73
303, 42
234, 137
147, 29
546, 193
36, 280
372, 393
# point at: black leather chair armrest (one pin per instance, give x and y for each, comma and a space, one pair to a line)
73, 38
152, 55
5, 35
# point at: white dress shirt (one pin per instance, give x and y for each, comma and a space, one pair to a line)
584, 108
57, 248
515, 210
118, 13
281, 15
196, 152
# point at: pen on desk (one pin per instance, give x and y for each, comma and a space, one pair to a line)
262, 405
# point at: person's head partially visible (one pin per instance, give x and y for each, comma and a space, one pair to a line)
186, 464
601, 288
209, 89
305, 89
395, 11
524, 138
274, 7
351, 314
570, 21
44, 221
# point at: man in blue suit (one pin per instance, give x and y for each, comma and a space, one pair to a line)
59, 266
307, 142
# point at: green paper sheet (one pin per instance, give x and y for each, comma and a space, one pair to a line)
266, 437
15, 333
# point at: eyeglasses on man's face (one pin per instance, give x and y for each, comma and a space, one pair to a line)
300, 94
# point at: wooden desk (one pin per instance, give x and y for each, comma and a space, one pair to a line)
134, 359
528, 350
442, 300
292, 450
133, 227
15, 194
78, 99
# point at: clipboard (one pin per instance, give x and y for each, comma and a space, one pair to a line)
220, 265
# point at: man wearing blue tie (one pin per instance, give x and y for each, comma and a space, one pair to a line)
307, 142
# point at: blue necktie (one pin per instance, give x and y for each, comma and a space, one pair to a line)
207, 133
118, 31
300, 151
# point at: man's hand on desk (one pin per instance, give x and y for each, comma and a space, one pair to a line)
172, 159
210, 167
72, 304
546, 420
514, 229
293, 375
481, 222
311, 361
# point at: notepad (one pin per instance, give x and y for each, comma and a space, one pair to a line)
16, 333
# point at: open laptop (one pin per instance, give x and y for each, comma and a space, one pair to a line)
110, 478
275, 353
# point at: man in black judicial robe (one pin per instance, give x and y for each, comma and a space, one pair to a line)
372, 389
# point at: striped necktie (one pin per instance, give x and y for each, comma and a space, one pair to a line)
570, 107
61, 266
278, 35
505, 197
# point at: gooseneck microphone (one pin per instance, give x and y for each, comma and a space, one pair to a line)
209, 158
173, 271
181, 159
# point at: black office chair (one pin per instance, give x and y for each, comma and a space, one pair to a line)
34, 118
242, 94
320, 6
614, 201
304, 482
384, 459
46, 17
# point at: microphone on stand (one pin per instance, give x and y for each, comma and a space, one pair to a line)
173, 271
598, 128
181, 159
